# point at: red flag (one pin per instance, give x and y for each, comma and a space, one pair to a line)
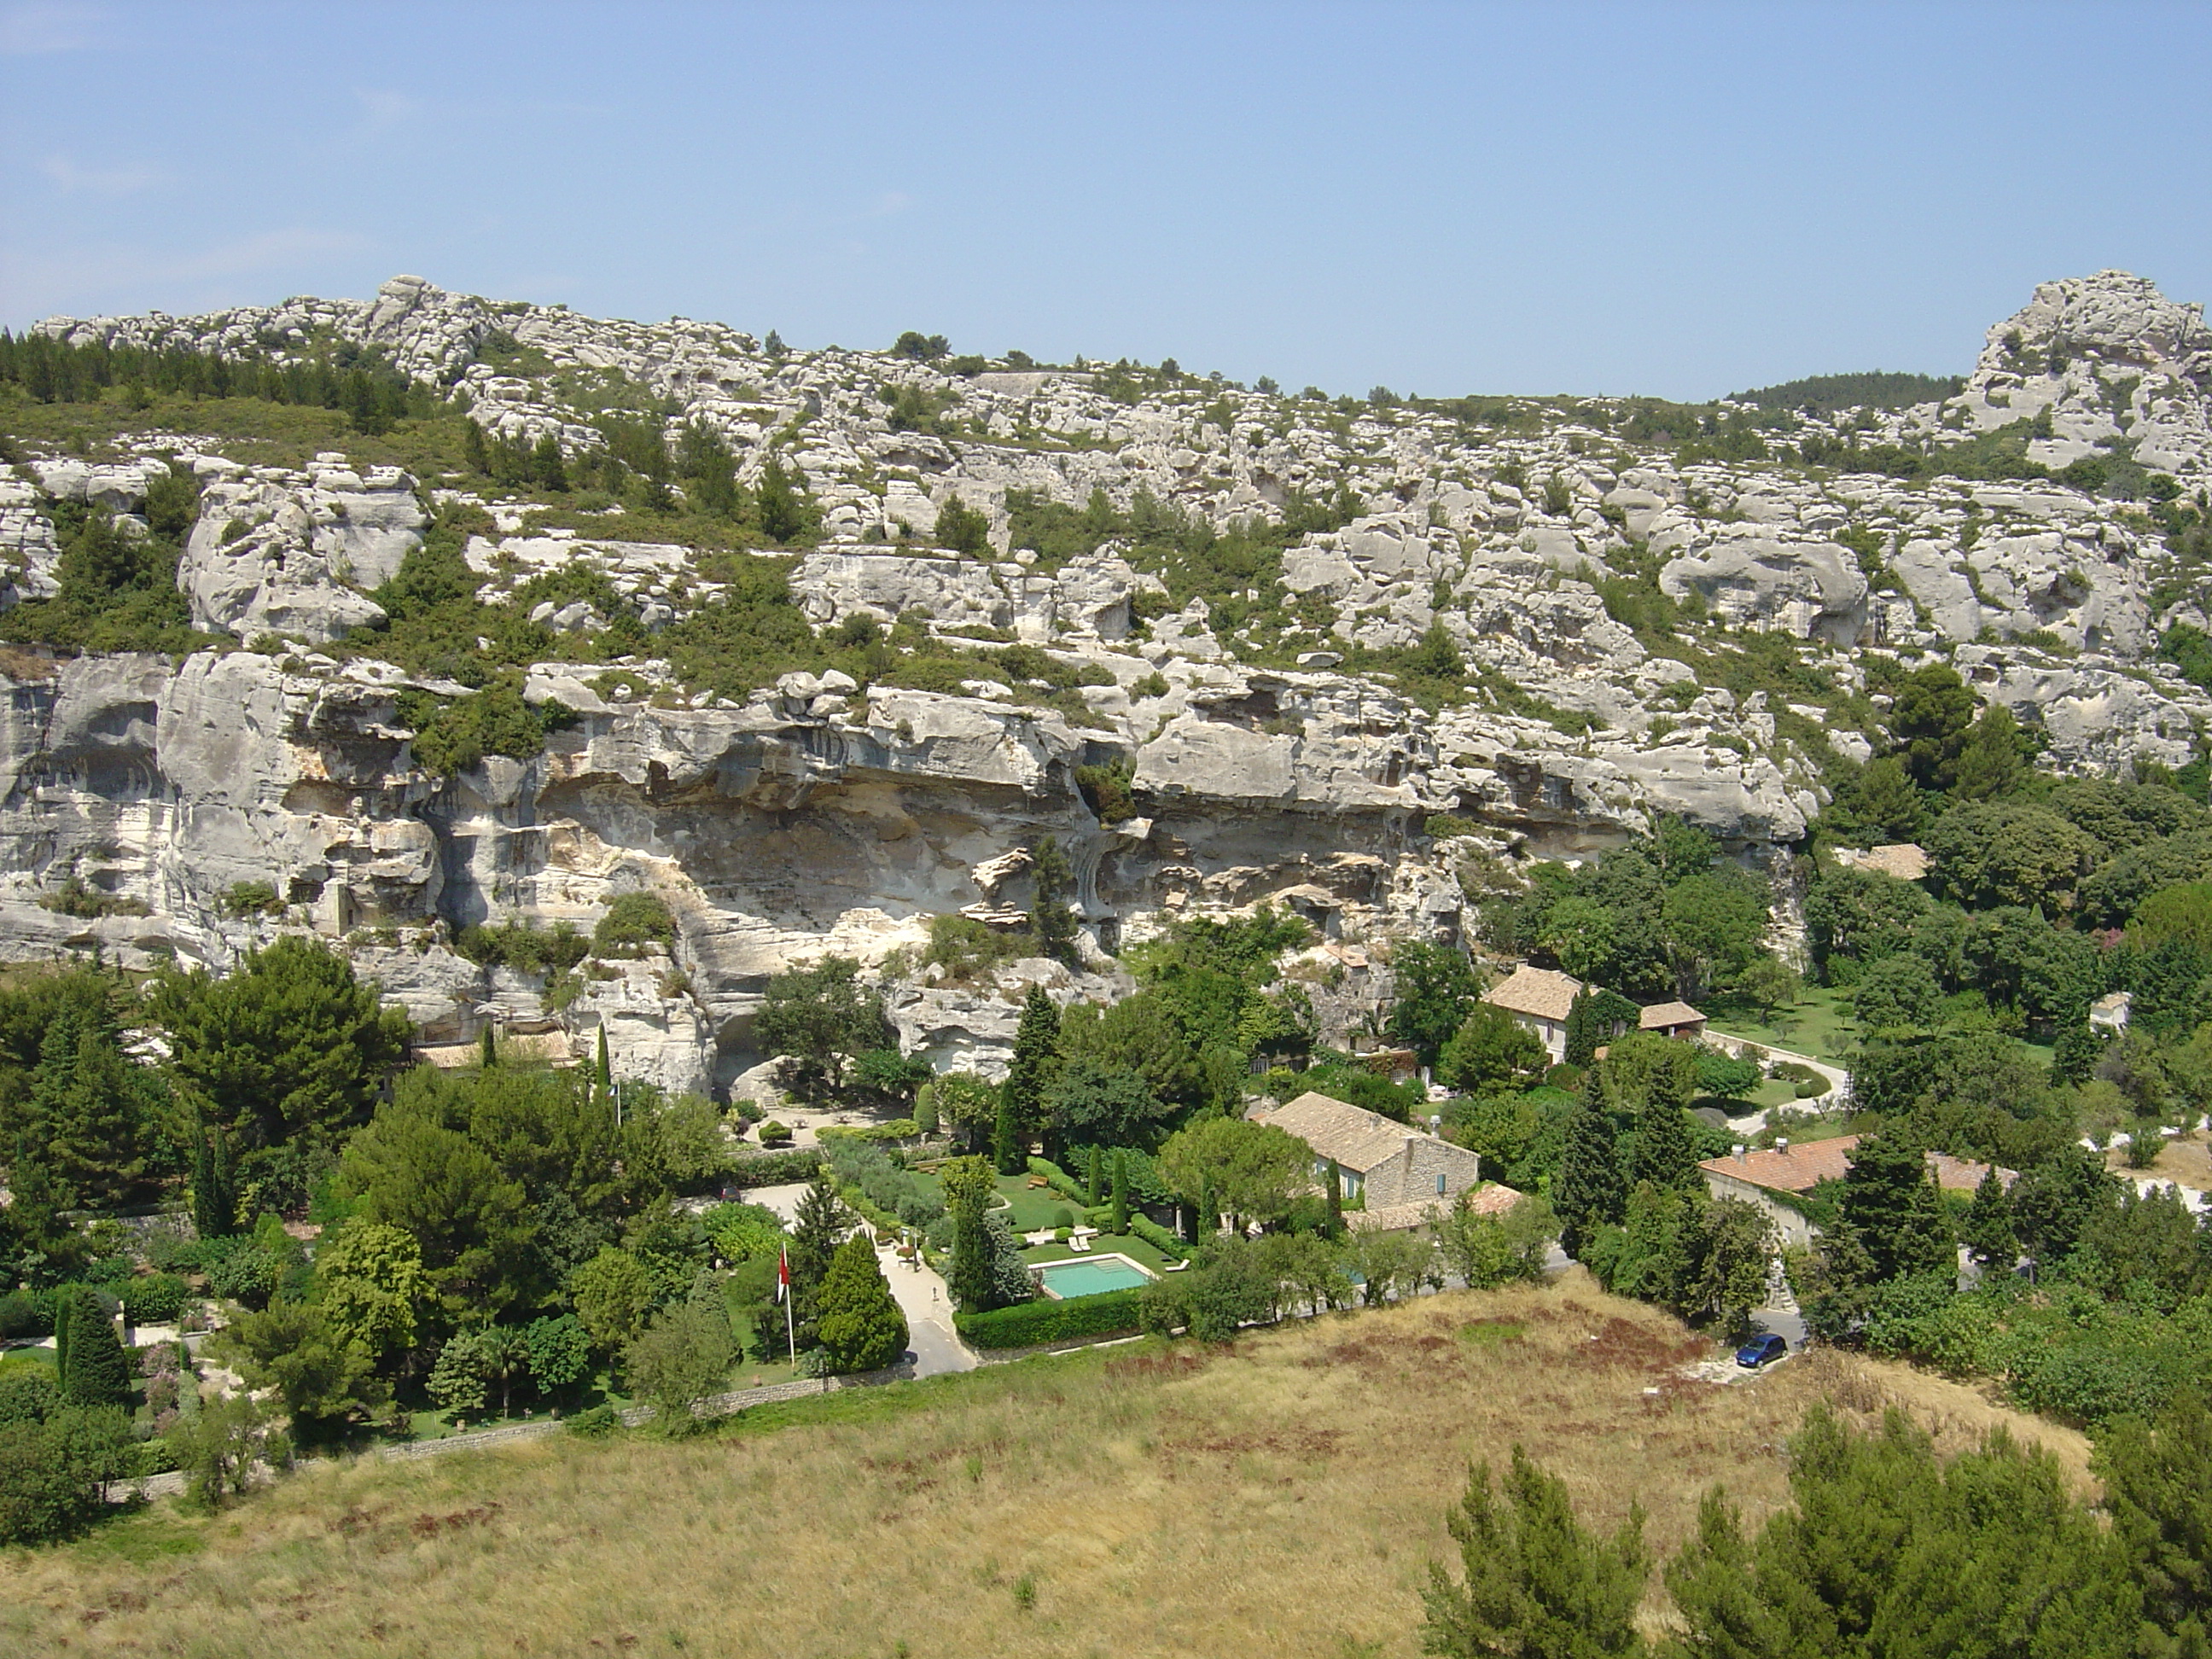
782, 1272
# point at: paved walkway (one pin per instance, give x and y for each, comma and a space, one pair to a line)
927, 1304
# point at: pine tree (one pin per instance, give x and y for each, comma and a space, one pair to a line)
1051, 918
1890, 1208
1589, 1191
96, 1372
1666, 1151
88, 1102
774, 346
782, 508
475, 450
1582, 1030
857, 1318
550, 471
1120, 1195
1536, 1582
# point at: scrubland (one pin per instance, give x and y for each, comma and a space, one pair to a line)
1280, 1496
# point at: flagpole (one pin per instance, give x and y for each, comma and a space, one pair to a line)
783, 1295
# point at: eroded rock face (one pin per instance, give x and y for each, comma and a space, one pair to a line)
813, 817
285, 554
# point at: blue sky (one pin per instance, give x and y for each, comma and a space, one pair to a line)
1678, 200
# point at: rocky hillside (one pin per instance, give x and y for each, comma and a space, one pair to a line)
817, 645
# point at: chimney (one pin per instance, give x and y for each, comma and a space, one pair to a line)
1781, 1146
1741, 1151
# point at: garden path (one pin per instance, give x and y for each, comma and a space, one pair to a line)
927, 1304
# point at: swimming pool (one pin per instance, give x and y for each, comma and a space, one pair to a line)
1090, 1275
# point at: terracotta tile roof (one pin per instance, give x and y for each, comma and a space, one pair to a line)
1801, 1168
1660, 1015
1806, 1166
1537, 992
1963, 1175
1492, 1199
1352, 1137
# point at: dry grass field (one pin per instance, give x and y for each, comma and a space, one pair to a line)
1280, 1498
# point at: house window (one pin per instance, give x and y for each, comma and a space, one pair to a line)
1440, 1183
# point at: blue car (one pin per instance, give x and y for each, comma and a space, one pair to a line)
1760, 1351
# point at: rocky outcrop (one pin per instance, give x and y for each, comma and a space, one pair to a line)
1269, 726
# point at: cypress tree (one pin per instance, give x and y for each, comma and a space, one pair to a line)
1097, 1170
214, 1183
606, 1071
1666, 1151
1589, 1191
1209, 1211
1335, 1200
814, 1228
1988, 1231
490, 1049
64, 1316
97, 1371
1005, 1146
1036, 1044
474, 449
1120, 1195
1582, 1030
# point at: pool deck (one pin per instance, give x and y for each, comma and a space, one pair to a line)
1088, 1260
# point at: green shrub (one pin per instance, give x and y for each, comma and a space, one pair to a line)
52, 1473
632, 921
1061, 1219
774, 1132
775, 1169
1031, 1324
155, 1299
528, 950
898, 1128
598, 1421
25, 1313
252, 898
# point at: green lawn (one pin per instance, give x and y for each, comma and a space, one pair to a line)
1820, 1025
1029, 1208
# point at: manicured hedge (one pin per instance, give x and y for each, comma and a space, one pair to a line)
899, 1129
1058, 1179
775, 1169
1144, 1227
1031, 1324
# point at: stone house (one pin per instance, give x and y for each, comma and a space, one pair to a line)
1538, 998
1380, 1163
1767, 1176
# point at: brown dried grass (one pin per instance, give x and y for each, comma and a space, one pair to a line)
1279, 1498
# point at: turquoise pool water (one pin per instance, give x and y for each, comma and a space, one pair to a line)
1067, 1279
